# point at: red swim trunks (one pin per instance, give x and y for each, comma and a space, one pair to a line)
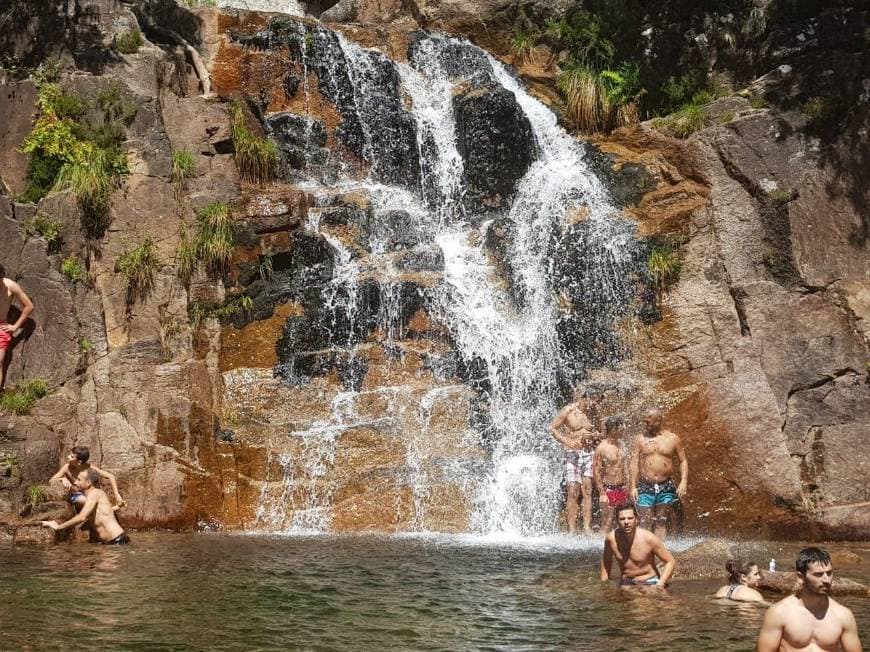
5, 338
616, 494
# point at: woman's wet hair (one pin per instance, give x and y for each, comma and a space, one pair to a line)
82, 453
738, 567
809, 556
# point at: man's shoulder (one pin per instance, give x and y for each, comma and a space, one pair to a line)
841, 610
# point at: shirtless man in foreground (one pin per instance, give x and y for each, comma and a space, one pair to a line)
810, 620
9, 291
609, 472
635, 550
97, 510
652, 470
578, 435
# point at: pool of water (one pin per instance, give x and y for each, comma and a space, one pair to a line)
220, 592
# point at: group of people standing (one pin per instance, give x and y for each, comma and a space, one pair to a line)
595, 458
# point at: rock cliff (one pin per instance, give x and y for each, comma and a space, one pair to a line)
213, 399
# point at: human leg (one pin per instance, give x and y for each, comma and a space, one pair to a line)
586, 489
661, 519
2, 368
571, 508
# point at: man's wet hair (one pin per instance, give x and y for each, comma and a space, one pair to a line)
93, 477
811, 555
625, 506
82, 453
593, 392
613, 423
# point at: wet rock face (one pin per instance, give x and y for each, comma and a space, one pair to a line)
495, 140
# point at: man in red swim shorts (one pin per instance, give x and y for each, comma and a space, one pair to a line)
9, 292
609, 471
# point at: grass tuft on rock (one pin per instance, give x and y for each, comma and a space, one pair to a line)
522, 45
256, 158
138, 266
73, 269
183, 166
129, 42
663, 268
35, 495
213, 245
19, 400
781, 196
40, 226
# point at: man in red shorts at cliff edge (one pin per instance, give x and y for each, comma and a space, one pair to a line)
9, 292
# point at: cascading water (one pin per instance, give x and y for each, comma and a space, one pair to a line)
510, 337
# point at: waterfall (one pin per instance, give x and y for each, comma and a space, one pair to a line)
511, 336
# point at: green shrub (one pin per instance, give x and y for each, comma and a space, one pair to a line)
622, 89
582, 34
781, 196
85, 345
757, 102
213, 245
585, 98
663, 268
44, 227
35, 495
129, 42
256, 158
183, 166
20, 399
74, 270
690, 117
138, 267
10, 461
198, 311
522, 44
110, 100
816, 108
726, 117
92, 177
52, 98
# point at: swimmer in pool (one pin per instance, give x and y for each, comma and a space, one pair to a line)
635, 550
742, 579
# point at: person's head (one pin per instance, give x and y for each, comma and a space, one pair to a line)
79, 455
87, 479
652, 420
742, 572
593, 395
613, 427
626, 517
815, 570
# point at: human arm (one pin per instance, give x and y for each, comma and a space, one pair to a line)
62, 476
634, 470
558, 422
849, 639
113, 482
665, 555
684, 468
606, 561
81, 517
26, 306
598, 475
770, 635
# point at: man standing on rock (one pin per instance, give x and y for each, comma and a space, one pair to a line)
635, 550
608, 471
810, 619
652, 469
97, 510
9, 292
575, 431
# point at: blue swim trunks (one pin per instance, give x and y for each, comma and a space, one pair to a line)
650, 494
630, 581
74, 497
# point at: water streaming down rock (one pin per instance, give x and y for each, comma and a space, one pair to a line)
441, 178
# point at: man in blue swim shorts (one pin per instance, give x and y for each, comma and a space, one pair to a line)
651, 473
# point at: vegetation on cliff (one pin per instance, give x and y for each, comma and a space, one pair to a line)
213, 245
20, 399
138, 266
256, 158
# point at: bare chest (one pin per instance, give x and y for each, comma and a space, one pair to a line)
662, 445
810, 633
610, 455
577, 420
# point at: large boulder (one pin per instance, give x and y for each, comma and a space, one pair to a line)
496, 142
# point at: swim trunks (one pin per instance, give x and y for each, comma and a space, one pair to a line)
630, 581
617, 494
5, 338
75, 496
577, 465
650, 494
120, 540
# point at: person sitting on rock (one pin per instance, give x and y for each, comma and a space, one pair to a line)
97, 511
76, 462
743, 577
9, 291
636, 551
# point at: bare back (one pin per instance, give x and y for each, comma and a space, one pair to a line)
612, 460
799, 629
103, 517
657, 455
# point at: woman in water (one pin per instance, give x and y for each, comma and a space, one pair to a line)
743, 577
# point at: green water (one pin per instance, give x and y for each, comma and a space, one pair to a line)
216, 592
